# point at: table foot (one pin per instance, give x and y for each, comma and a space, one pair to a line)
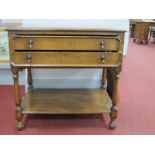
20, 125
112, 124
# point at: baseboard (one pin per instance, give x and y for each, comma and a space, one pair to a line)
66, 83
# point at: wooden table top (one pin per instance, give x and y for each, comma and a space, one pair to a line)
51, 28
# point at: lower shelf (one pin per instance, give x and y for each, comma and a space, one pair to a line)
66, 101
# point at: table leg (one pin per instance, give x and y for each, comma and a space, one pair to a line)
104, 78
29, 78
18, 112
113, 114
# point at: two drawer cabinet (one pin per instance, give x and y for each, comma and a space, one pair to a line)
66, 48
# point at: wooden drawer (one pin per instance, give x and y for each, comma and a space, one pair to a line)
70, 59
90, 43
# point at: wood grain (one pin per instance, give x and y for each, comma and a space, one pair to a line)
34, 28
62, 101
65, 43
67, 59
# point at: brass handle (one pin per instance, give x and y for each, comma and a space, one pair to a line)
29, 58
30, 43
102, 44
103, 57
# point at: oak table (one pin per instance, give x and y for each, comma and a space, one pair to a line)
34, 47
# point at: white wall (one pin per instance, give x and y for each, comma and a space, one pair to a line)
6, 75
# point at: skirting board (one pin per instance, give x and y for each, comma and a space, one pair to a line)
66, 83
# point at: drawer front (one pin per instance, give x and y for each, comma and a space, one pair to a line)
65, 43
70, 59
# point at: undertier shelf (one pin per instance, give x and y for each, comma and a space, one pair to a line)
66, 101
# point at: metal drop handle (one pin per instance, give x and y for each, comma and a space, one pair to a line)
29, 58
102, 44
30, 43
103, 57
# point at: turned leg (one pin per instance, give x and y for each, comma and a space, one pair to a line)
104, 78
17, 97
113, 113
29, 77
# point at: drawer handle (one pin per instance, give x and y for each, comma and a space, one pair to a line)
30, 43
102, 44
29, 58
103, 57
